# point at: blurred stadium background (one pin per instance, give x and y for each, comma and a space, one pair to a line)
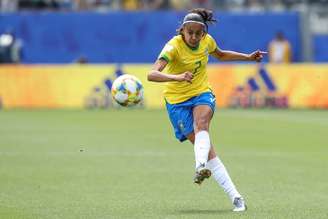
68, 151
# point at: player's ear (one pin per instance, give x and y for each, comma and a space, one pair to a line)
180, 31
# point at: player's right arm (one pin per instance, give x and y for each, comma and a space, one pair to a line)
157, 75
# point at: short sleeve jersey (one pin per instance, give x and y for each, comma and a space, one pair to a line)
182, 58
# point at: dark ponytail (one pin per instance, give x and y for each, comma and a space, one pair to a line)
206, 14
200, 15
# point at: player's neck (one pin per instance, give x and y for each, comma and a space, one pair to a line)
193, 48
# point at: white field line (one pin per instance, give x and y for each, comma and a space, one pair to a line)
251, 153
296, 118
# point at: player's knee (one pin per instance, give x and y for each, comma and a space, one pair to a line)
191, 137
201, 124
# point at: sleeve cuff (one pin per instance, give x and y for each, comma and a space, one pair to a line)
165, 58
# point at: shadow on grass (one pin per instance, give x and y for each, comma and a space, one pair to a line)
202, 212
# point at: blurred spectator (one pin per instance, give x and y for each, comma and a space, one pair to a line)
276, 5
65, 4
180, 4
81, 5
10, 48
255, 5
279, 49
202, 4
231, 5
155, 4
38, 4
130, 5
107, 4
8, 5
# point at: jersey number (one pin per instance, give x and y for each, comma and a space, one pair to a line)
198, 64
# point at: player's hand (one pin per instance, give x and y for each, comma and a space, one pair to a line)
257, 55
186, 76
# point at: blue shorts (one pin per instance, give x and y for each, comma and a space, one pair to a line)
181, 114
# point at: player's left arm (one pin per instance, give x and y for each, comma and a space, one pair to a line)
157, 75
227, 55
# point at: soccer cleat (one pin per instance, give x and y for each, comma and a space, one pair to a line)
239, 204
201, 174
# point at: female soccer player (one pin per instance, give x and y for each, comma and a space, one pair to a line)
189, 100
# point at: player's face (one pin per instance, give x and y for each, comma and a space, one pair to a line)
193, 33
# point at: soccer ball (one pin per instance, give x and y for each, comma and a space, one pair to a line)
127, 90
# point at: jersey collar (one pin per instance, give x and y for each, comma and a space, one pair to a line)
192, 48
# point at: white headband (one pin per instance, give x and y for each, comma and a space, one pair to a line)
197, 22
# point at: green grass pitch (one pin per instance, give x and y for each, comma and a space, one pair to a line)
127, 164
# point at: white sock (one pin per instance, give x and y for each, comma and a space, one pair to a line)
222, 177
202, 147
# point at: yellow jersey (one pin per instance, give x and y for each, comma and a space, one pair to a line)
182, 58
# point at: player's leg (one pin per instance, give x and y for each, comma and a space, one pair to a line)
201, 173
203, 110
202, 115
222, 177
